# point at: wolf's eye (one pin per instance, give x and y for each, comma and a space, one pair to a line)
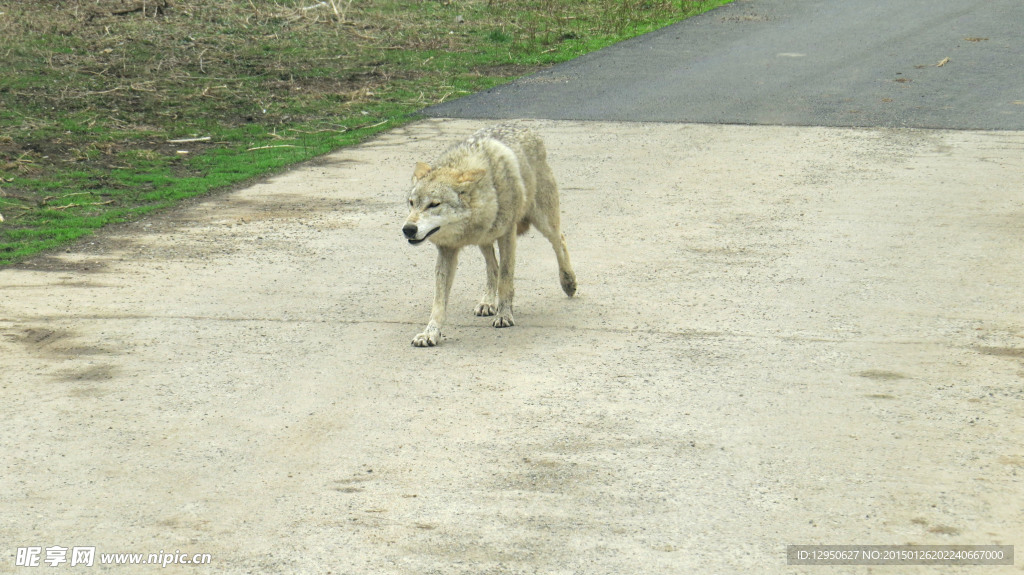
434, 204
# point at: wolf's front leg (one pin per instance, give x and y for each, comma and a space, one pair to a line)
447, 258
506, 274
488, 303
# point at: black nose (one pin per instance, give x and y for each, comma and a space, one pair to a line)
409, 230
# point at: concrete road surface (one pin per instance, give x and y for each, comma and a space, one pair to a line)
782, 335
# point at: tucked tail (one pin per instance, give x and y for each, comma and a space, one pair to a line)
522, 227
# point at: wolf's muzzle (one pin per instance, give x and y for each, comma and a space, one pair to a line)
410, 231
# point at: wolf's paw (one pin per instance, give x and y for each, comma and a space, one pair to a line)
568, 281
426, 339
504, 320
484, 309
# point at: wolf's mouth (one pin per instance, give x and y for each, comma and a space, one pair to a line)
420, 241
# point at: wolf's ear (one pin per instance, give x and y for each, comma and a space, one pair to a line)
471, 176
421, 171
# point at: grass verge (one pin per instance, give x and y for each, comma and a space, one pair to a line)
111, 109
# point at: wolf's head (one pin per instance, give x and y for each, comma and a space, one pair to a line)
438, 202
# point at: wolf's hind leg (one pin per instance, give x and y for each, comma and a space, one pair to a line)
506, 276
545, 217
549, 228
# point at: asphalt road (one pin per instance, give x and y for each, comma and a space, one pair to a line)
802, 63
782, 335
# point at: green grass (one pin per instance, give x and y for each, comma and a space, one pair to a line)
93, 92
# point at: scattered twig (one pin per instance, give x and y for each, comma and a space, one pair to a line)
372, 125
158, 8
274, 134
81, 205
942, 62
187, 140
19, 198
24, 210
340, 14
206, 91
48, 198
269, 147
84, 94
341, 131
371, 38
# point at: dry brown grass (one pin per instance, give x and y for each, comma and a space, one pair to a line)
92, 90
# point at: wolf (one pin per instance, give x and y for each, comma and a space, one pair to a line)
485, 191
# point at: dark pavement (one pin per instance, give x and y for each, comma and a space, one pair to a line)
787, 62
